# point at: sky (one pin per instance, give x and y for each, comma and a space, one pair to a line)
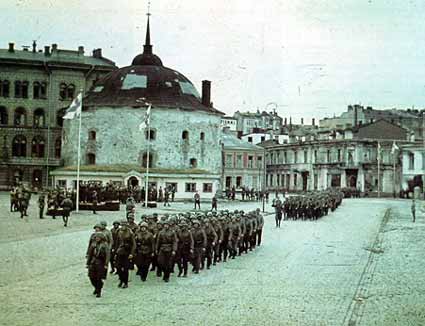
306, 59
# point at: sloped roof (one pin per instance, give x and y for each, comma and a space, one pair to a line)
232, 142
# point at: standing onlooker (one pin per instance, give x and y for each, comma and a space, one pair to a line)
214, 203
197, 198
41, 204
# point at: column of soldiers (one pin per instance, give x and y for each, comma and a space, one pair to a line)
247, 194
310, 206
162, 243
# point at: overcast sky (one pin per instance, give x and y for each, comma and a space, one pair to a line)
311, 58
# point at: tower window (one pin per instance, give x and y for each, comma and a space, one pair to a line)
185, 135
193, 163
91, 159
151, 135
202, 136
92, 135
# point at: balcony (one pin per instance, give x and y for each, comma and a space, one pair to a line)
34, 161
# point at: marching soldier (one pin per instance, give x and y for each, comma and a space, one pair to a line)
145, 247
114, 233
166, 247
185, 248
97, 265
200, 243
125, 252
67, 206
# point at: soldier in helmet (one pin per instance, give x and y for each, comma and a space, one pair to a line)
145, 247
211, 242
166, 247
114, 233
126, 246
41, 204
67, 206
184, 248
200, 243
97, 265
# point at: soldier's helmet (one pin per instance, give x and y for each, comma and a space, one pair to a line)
194, 222
98, 226
116, 223
124, 222
100, 235
183, 224
209, 214
144, 225
104, 223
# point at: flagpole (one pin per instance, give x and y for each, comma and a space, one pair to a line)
394, 187
79, 156
147, 158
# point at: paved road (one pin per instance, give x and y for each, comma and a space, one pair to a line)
361, 265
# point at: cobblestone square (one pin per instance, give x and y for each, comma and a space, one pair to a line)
360, 265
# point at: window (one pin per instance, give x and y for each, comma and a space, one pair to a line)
58, 146
92, 135
295, 180
61, 183
19, 146
202, 136
193, 163
305, 156
70, 92
21, 89
328, 156
145, 160
190, 187
285, 157
207, 187
411, 161
339, 155
229, 160
39, 118
228, 182
62, 91
20, 117
37, 147
249, 139
59, 117
239, 161
91, 159
259, 162
185, 135
4, 88
238, 182
335, 180
315, 156
3, 115
423, 160
250, 162
150, 134
295, 157
263, 138
39, 90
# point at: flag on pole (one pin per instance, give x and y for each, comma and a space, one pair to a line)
75, 108
394, 148
146, 120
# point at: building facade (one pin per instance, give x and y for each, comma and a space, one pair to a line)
413, 156
331, 161
248, 121
243, 164
35, 88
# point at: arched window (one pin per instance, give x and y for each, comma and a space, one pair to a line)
202, 137
3, 115
91, 159
62, 91
193, 163
59, 117
43, 90
19, 146
145, 160
4, 88
70, 92
185, 135
39, 118
92, 135
20, 117
37, 147
58, 148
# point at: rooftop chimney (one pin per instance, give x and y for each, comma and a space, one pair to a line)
34, 46
302, 121
54, 47
47, 50
286, 121
11, 47
81, 49
97, 53
206, 93
313, 122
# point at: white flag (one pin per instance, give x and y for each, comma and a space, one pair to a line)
146, 120
75, 108
394, 148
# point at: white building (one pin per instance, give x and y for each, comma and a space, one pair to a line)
413, 161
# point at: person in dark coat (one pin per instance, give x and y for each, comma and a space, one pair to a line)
200, 243
185, 248
114, 233
67, 206
125, 251
145, 247
97, 262
94, 201
41, 205
166, 247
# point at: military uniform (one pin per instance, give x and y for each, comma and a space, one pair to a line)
145, 247
125, 252
166, 247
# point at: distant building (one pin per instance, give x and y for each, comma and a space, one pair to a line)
230, 123
337, 161
259, 137
243, 163
410, 119
248, 121
35, 88
413, 156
